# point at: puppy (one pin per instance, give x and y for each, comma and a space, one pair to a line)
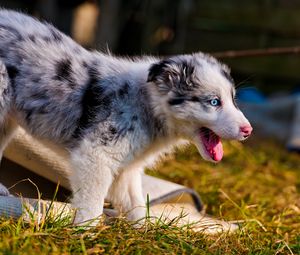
112, 116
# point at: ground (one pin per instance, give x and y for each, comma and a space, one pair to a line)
257, 184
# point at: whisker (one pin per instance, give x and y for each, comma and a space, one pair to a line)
243, 82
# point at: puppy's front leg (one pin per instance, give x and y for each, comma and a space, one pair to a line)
126, 194
90, 183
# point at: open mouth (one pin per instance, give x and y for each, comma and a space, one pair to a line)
211, 143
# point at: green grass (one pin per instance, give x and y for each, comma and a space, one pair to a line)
257, 185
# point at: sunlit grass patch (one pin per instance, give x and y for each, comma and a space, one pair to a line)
256, 185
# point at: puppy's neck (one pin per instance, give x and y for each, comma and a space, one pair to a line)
160, 124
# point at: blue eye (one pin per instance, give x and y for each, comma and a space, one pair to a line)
215, 102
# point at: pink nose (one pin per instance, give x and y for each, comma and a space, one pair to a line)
246, 130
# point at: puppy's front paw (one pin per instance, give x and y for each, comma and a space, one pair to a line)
137, 216
87, 220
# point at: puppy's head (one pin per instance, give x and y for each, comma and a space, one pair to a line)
196, 94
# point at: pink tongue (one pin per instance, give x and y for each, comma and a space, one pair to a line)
214, 147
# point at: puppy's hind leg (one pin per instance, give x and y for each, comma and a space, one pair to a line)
7, 125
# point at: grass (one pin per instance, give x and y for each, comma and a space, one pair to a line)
257, 185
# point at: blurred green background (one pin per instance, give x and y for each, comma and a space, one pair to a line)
136, 27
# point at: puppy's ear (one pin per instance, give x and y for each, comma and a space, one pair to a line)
170, 73
165, 74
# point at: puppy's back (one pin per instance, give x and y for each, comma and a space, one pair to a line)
48, 73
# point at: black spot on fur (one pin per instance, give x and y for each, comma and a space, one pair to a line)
112, 130
6, 91
90, 100
63, 69
32, 38
131, 128
124, 90
176, 101
94, 75
12, 73
47, 39
134, 118
28, 114
64, 72
106, 138
84, 64
195, 99
95, 106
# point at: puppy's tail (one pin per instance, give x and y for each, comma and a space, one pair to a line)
5, 93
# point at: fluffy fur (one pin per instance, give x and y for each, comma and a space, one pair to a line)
113, 116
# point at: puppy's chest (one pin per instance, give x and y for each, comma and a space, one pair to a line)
151, 155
